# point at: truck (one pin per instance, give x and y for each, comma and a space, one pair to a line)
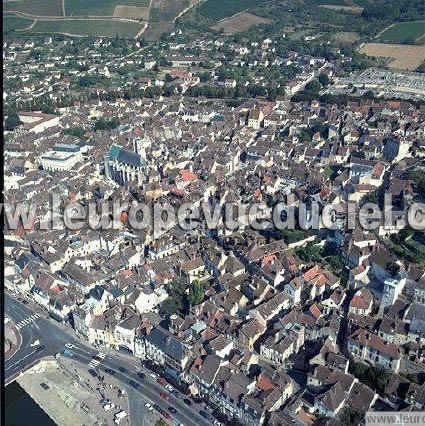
119, 416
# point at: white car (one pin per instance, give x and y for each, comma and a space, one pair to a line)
153, 376
69, 345
149, 406
107, 407
169, 387
216, 423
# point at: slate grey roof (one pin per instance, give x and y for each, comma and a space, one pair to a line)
126, 157
130, 158
166, 342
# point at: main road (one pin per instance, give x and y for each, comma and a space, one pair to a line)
52, 340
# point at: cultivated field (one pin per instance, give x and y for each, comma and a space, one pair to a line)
108, 16
403, 30
349, 9
403, 57
86, 27
330, 2
171, 8
35, 7
98, 7
11, 23
240, 22
346, 37
155, 30
132, 12
220, 9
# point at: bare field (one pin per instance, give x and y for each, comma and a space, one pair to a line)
240, 22
132, 12
404, 57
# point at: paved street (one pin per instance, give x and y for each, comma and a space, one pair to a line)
53, 339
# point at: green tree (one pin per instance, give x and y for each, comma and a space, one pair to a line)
168, 78
328, 171
196, 293
177, 301
305, 136
313, 86
351, 417
76, 131
12, 121
324, 79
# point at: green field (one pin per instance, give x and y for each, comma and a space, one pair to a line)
35, 7
324, 2
402, 31
171, 8
11, 23
86, 27
156, 29
98, 7
220, 9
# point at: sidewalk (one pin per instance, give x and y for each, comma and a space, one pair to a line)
11, 333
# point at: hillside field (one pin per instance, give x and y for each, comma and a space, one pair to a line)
403, 30
11, 23
98, 7
240, 22
35, 7
86, 27
220, 9
403, 57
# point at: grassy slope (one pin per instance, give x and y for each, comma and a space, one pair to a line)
403, 30
103, 27
35, 7
98, 7
11, 23
219, 9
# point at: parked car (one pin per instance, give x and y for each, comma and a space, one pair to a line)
92, 372
141, 375
164, 396
148, 406
169, 387
204, 414
134, 384
188, 402
166, 414
109, 371
153, 376
161, 381
172, 410
122, 369
68, 353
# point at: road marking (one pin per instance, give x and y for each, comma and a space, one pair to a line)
27, 321
101, 355
21, 359
94, 363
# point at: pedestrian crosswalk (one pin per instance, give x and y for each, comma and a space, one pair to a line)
95, 361
27, 321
